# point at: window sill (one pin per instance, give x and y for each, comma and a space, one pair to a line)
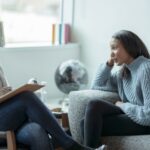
29, 44
37, 46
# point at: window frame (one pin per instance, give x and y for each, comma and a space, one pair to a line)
60, 20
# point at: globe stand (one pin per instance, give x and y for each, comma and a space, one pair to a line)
65, 103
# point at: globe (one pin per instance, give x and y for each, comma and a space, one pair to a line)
71, 75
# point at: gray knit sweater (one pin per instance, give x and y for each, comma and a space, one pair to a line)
133, 90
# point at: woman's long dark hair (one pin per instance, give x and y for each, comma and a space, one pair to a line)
133, 45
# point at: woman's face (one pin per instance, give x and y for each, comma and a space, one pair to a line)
118, 53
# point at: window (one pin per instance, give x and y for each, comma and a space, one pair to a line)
29, 20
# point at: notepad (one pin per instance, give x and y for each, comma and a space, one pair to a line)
25, 87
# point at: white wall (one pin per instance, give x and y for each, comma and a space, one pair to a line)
93, 23
96, 20
22, 63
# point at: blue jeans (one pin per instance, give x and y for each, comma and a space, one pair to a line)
34, 137
15, 112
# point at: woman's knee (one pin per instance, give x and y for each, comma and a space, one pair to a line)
26, 94
97, 106
94, 104
28, 97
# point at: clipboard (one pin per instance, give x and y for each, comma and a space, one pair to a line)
25, 87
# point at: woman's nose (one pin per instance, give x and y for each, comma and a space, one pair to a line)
112, 54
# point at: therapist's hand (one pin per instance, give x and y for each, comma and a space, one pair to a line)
5, 90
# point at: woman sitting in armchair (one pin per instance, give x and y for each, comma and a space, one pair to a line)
131, 115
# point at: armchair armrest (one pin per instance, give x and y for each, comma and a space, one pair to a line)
78, 101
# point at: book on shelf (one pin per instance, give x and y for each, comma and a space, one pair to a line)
14, 92
53, 33
65, 33
60, 34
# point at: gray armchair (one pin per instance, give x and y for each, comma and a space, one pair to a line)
78, 101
